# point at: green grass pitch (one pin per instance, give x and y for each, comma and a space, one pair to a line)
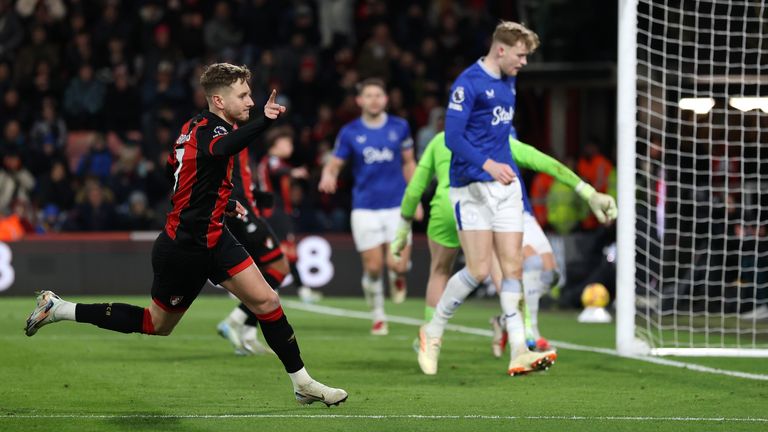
76, 377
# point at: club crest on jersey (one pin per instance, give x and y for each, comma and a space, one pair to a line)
175, 300
219, 131
490, 93
373, 155
392, 136
501, 115
361, 139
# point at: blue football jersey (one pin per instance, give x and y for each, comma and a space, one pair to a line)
377, 161
478, 123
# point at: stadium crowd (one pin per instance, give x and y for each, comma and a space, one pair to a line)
92, 93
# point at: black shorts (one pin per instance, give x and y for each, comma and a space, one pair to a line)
257, 237
180, 272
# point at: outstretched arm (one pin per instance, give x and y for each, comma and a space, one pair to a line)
526, 156
233, 142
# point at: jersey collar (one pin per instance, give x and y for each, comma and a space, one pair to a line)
489, 72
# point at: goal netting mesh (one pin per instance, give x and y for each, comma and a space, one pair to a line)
701, 180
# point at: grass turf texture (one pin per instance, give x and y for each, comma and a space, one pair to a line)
143, 383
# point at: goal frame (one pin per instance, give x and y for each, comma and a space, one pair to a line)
627, 342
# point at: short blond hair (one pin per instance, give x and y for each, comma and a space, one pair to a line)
510, 33
218, 75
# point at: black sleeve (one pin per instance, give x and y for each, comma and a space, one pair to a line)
231, 143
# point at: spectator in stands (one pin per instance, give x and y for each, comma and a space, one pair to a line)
38, 49
222, 34
136, 216
124, 102
13, 139
84, 99
96, 211
47, 138
55, 188
11, 31
97, 161
16, 182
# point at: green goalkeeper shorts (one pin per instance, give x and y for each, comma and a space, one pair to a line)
442, 224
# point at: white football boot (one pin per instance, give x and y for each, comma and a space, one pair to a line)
429, 352
319, 392
44, 313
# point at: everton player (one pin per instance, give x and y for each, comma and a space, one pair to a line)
486, 197
380, 149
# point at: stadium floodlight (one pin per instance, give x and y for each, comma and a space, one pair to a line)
691, 263
697, 105
749, 103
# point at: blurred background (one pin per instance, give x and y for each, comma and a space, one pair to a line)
93, 93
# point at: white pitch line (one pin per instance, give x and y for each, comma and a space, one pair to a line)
384, 417
346, 313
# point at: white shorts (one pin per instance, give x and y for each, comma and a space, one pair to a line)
534, 236
488, 206
372, 228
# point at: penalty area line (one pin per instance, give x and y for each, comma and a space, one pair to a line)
383, 417
346, 313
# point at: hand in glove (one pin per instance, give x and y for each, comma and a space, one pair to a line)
602, 205
401, 238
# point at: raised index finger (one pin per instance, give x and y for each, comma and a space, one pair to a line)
272, 96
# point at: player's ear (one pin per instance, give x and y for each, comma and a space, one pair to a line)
217, 101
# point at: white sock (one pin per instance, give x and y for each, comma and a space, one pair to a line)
374, 289
65, 311
533, 287
300, 378
510, 296
459, 286
237, 317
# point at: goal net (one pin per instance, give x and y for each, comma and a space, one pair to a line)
693, 177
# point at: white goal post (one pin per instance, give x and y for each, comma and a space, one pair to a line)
692, 136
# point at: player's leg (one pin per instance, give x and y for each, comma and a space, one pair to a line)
234, 270
507, 244
443, 240
473, 222
369, 238
255, 234
397, 269
442, 260
539, 274
174, 288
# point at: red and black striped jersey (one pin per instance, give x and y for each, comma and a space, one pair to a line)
274, 175
202, 165
242, 181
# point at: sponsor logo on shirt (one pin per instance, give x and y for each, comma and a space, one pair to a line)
490, 93
361, 139
183, 138
373, 155
501, 115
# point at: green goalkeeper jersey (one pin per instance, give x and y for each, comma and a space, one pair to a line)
436, 160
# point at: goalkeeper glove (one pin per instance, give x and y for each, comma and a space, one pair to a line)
602, 205
401, 238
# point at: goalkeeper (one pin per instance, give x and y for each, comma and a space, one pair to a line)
539, 265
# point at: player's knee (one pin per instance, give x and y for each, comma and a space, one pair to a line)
479, 274
533, 263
